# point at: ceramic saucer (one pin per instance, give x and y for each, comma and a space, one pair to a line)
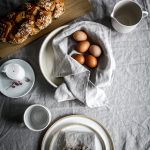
13, 90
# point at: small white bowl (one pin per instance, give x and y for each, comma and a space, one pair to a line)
37, 117
46, 58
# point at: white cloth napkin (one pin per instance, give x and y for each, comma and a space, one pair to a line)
73, 140
79, 82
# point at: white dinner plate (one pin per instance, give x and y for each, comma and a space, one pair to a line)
21, 90
46, 58
77, 119
99, 143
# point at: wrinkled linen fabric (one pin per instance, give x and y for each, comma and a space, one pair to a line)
128, 118
80, 82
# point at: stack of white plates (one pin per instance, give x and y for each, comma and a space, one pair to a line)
77, 123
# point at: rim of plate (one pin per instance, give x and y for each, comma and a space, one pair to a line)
89, 128
32, 82
46, 134
43, 46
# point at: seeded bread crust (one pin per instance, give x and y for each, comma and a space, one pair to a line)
29, 19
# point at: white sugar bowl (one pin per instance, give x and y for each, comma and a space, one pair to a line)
14, 71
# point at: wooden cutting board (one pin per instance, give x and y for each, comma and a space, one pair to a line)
73, 9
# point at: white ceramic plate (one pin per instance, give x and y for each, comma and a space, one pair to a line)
76, 128
77, 119
46, 58
21, 90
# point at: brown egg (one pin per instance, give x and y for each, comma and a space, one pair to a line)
83, 46
79, 58
79, 36
95, 50
90, 61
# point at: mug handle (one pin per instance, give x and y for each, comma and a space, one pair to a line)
144, 14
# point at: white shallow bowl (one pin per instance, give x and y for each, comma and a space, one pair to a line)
46, 58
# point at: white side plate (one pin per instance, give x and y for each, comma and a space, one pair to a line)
21, 90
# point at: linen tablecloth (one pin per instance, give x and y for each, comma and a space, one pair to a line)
128, 117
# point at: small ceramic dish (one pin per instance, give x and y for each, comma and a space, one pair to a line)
88, 123
16, 89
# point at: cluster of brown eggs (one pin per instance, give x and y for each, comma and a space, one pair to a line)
88, 54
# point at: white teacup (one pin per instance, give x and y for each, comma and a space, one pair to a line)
14, 71
126, 15
37, 117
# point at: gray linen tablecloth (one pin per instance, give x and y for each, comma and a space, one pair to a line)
128, 116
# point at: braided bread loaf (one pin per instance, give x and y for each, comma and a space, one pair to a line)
30, 19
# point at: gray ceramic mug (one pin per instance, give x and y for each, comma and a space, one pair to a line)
126, 15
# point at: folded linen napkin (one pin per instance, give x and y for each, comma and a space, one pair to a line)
76, 141
79, 82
